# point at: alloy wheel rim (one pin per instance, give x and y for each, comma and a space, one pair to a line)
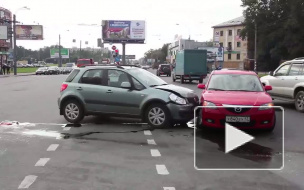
156, 116
72, 111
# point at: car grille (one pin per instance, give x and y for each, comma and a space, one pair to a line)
234, 124
237, 110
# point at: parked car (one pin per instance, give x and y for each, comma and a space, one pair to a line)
287, 82
164, 69
68, 70
53, 70
72, 65
41, 71
125, 91
83, 62
234, 90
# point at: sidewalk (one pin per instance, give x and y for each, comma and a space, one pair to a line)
18, 75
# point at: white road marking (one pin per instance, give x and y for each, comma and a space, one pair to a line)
66, 128
155, 153
27, 182
59, 137
147, 132
42, 161
52, 147
151, 141
162, 170
169, 188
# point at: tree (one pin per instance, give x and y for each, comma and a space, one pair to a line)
279, 29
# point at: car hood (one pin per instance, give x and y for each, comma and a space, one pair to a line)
184, 92
237, 98
267, 77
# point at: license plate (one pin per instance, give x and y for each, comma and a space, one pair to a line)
238, 119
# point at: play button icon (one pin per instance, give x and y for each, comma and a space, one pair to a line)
235, 138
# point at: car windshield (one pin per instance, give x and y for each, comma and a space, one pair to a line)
147, 77
235, 82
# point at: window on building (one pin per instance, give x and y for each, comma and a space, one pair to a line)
238, 44
229, 45
239, 32
238, 56
229, 56
222, 33
230, 33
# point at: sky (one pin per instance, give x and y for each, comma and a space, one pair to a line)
164, 19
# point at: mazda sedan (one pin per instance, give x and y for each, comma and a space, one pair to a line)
237, 98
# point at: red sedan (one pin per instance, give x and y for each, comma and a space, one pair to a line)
227, 93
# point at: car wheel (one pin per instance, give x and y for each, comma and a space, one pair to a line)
157, 116
198, 119
299, 103
200, 81
182, 79
73, 111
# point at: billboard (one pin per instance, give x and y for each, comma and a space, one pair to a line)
54, 52
117, 31
29, 32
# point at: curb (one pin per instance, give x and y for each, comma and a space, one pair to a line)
18, 75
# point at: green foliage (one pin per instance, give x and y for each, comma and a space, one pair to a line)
158, 54
280, 30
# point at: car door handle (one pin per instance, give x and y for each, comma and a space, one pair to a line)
109, 91
79, 88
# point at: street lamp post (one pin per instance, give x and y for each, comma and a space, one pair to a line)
60, 59
14, 38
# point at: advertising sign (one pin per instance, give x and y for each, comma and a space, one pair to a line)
29, 32
3, 33
130, 56
55, 53
220, 54
216, 36
117, 31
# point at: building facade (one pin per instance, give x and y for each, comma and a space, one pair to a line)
5, 44
227, 35
181, 44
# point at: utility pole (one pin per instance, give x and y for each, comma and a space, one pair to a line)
15, 46
60, 60
255, 48
124, 53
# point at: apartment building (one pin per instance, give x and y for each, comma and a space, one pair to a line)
227, 35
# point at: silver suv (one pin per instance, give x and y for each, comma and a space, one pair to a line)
287, 82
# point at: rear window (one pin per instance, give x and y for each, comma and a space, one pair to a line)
83, 62
72, 75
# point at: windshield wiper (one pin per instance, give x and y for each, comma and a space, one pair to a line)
217, 89
153, 85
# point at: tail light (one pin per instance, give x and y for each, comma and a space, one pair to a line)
63, 87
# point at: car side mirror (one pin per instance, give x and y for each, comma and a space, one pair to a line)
271, 73
201, 86
125, 85
268, 88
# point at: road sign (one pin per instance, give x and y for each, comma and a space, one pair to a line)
235, 138
117, 59
55, 53
113, 47
130, 56
3, 33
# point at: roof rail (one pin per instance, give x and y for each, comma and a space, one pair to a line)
299, 58
129, 65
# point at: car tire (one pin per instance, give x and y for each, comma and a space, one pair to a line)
182, 80
198, 119
299, 102
163, 113
200, 81
78, 110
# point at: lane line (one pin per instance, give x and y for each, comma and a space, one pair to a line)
59, 137
147, 132
27, 182
169, 188
151, 142
66, 128
155, 153
162, 170
42, 161
52, 147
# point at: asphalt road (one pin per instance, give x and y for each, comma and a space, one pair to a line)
42, 152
